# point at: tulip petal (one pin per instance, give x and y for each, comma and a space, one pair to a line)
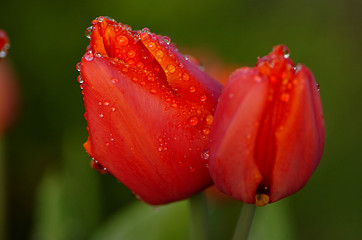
238, 115
141, 140
300, 140
183, 75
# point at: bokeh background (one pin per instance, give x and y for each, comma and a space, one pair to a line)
49, 190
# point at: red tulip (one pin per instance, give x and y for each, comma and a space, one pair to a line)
268, 131
148, 110
8, 88
4, 44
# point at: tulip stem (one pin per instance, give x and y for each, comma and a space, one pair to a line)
199, 217
245, 221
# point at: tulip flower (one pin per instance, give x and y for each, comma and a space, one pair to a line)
149, 111
4, 44
268, 132
8, 88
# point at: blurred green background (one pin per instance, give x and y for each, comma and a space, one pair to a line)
52, 193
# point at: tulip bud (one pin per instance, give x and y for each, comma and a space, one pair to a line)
268, 132
148, 110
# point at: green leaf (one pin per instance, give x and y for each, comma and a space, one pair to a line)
141, 221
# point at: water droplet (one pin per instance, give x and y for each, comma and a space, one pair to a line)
166, 39
151, 45
113, 109
205, 154
100, 19
159, 149
208, 119
101, 115
192, 169
144, 36
88, 32
80, 80
153, 91
203, 98
140, 65
174, 105
159, 54
114, 80
88, 56
131, 53
171, 68
206, 131
286, 52
192, 89
78, 67
185, 77
122, 40
143, 83
106, 103
193, 121
318, 87
146, 30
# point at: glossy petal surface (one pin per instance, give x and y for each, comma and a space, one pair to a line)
142, 129
268, 132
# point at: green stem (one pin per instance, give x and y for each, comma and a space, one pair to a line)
245, 221
2, 192
199, 217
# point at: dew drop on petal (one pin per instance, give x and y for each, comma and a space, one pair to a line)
144, 36
206, 131
192, 169
159, 54
193, 121
80, 80
106, 103
286, 52
131, 53
88, 56
122, 41
185, 77
140, 65
171, 68
101, 115
203, 98
208, 119
151, 45
78, 67
88, 32
114, 80
205, 154
153, 91
192, 89
166, 39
